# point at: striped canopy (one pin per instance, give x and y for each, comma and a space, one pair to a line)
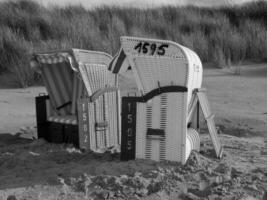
57, 69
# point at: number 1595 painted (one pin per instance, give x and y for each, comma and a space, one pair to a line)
151, 49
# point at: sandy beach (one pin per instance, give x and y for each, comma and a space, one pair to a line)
39, 170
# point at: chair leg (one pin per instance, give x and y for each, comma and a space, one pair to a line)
71, 134
41, 116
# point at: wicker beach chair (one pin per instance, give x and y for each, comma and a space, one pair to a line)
57, 111
155, 125
78, 85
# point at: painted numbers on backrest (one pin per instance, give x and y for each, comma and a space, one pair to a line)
156, 63
151, 48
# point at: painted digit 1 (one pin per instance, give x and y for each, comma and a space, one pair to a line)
83, 105
129, 107
138, 47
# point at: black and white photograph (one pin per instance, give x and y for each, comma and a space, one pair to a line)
133, 99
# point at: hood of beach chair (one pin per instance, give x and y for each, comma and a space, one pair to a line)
58, 71
158, 63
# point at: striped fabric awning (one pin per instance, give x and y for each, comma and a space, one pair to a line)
119, 63
57, 69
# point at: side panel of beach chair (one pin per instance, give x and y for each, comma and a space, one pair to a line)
103, 108
200, 98
99, 122
209, 117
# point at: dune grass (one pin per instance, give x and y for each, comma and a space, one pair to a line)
221, 36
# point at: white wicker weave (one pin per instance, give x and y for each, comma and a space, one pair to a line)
166, 113
105, 109
166, 74
192, 141
178, 66
91, 57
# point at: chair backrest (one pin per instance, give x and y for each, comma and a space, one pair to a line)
96, 77
159, 63
60, 79
92, 67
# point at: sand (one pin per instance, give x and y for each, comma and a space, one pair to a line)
39, 170
18, 108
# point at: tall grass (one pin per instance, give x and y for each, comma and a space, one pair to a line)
219, 35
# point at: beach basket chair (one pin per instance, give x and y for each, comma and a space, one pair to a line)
77, 82
57, 112
155, 124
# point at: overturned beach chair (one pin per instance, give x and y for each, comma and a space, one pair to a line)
79, 85
155, 124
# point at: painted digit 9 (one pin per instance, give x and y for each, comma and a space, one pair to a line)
153, 48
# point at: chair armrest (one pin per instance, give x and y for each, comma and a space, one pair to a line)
100, 92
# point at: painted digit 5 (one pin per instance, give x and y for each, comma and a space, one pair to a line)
130, 118
161, 49
145, 50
